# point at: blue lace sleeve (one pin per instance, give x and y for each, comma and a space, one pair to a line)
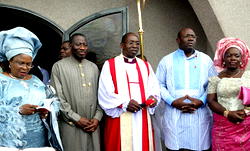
12, 128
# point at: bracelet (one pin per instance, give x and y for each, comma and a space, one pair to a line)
225, 113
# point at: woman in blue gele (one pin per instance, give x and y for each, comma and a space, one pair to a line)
21, 124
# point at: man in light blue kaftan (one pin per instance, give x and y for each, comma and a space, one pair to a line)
183, 77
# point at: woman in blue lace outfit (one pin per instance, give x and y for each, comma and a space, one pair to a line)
21, 128
20, 93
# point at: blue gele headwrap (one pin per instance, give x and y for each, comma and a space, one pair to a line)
17, 41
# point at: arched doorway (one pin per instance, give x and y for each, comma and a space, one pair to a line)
103, 31
49, 34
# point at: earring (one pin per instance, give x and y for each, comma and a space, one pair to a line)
223, 64
241, 64
9, 66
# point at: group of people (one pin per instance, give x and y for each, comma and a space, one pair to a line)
202, 110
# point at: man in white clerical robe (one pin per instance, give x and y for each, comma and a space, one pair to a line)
128, 93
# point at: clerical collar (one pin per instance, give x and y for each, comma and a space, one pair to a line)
129, 60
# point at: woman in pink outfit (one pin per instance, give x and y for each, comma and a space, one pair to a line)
231, 127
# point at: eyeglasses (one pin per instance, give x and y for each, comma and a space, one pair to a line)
23, 64
137, 43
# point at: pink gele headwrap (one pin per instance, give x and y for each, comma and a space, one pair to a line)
224, 44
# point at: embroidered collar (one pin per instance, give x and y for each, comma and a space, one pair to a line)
194, 55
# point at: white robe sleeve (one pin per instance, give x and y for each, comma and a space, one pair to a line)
108, 100
153, 88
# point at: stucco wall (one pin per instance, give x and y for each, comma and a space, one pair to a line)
234, 17
221, 18
162, 19
209, 22
64, 12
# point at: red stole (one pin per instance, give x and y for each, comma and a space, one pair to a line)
112, 134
